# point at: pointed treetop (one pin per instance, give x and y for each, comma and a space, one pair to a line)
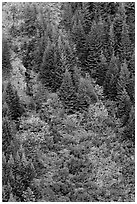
124, 70
11, 160
12, 199
24, 160
17, 159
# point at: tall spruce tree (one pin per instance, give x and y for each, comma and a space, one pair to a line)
95, 43
111, 79
67, 14
130, 19
126, 43
79, 37
87, 17
6, 65
130, 88
13, 102
124, 74
7, 135
101, 70
51, 69
67, 92
86, 93
117, 25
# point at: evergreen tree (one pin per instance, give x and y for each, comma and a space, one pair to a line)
7, 135
127, 81
92, 10
129, 130
124, 74
101, 70
130, 20
13, 102
51, 69
67, 92
87, 17
109, 42
124, 107
86, 93
30, 17
130, 88
95, 43
67, 14
117, 25
131, 64
76, 74
6, 65
79, 37
28, 55
111, 79
126, 43
38, 53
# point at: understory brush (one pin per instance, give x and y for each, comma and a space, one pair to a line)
69, 158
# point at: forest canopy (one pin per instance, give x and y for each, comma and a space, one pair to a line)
68, 101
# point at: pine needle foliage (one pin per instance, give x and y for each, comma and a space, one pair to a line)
67, 92
6, 65
13, 102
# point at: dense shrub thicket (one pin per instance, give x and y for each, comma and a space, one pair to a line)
68, 102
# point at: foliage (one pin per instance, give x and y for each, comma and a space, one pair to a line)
101, 70
6, 65
7, 134
110, 83
76, 140
51, 71
12, 100
86, 93
67, 92
95, 40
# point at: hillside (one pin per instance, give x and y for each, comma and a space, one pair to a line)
68, 108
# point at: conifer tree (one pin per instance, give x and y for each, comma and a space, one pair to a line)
6, 65
130, 88
124, 107
127, 81
87, 17
124, 74
79, 37
95, 43
129, 130
76, 74
30, 17
111, 79
13, 102
101, 70
130, 20
117, 25
126, 43
110, 41
67, 92
131, 64
67, 14
86, 93
6, 135
51, 69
